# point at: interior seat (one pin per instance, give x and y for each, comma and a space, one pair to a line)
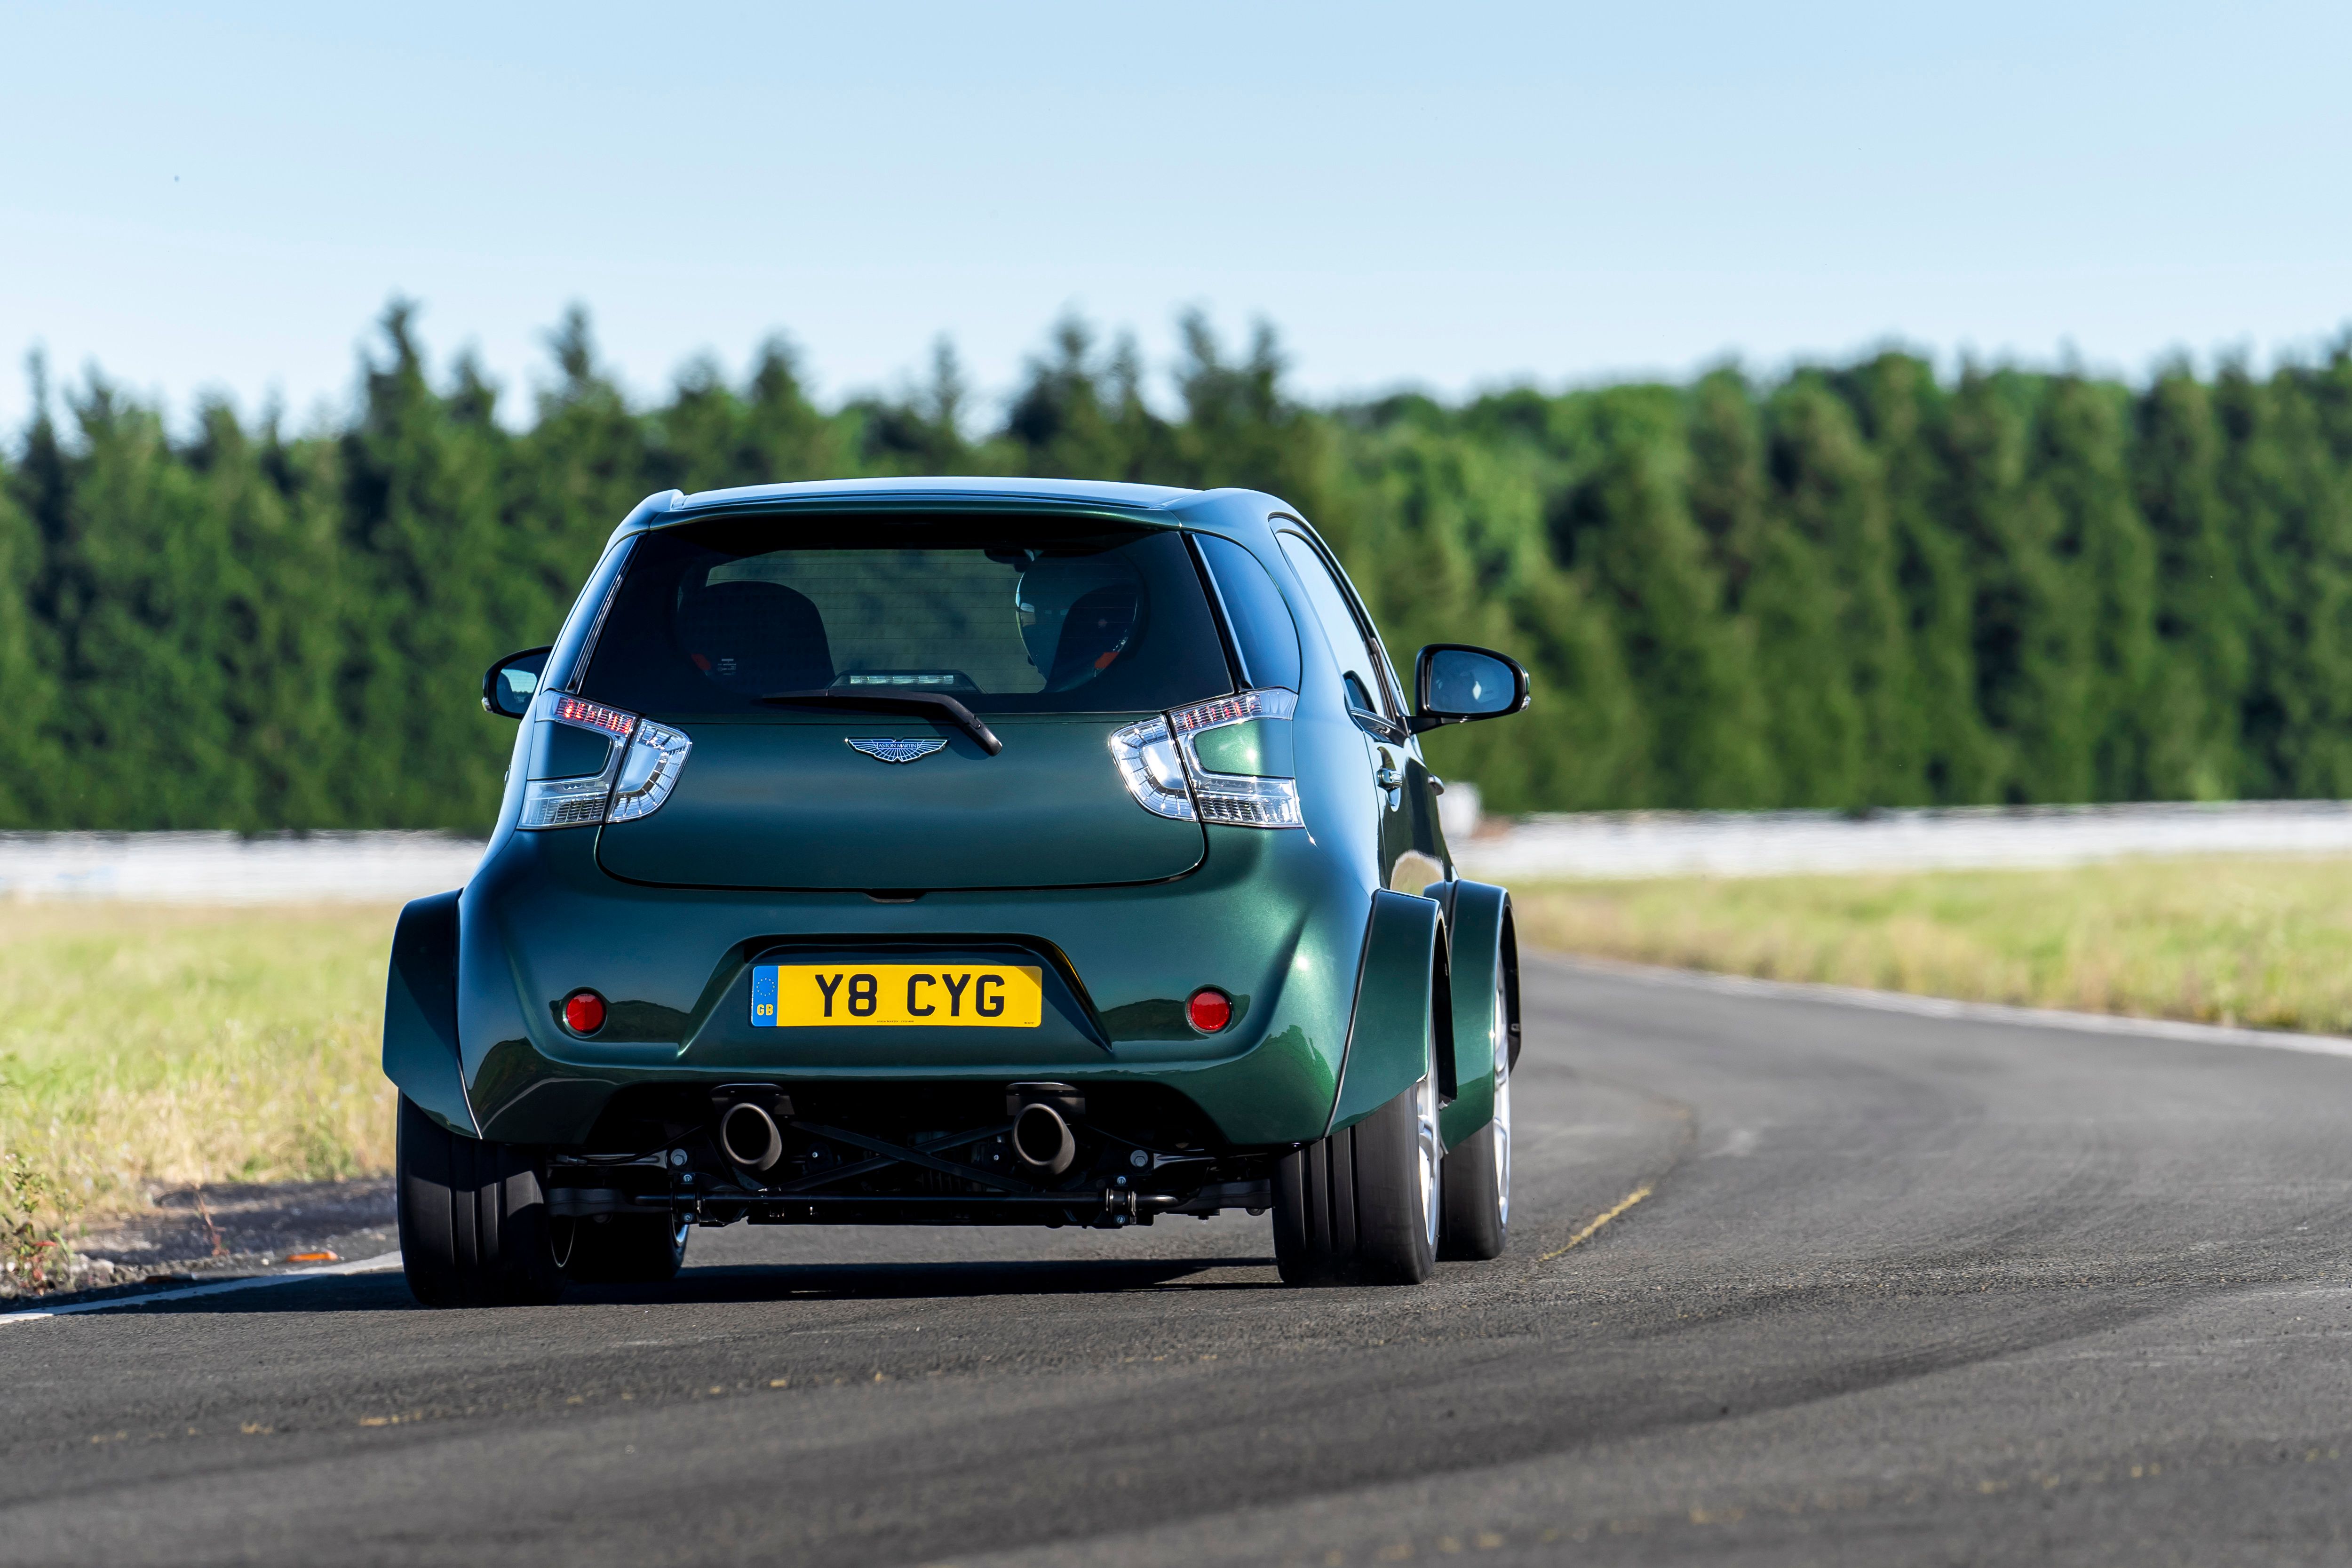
755, 638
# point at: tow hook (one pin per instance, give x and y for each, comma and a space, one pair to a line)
1118, 1203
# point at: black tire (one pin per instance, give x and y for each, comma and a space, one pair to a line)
624, 1248
1351, 1209
474, 1229
1477, 1190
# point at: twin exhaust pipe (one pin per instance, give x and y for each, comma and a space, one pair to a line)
1042, 1139
749, 1137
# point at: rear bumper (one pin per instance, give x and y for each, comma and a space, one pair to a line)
1266, 917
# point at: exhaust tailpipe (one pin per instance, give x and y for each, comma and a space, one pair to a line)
748, 1137
1042, 1140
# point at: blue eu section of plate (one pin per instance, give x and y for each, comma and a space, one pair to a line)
763, 996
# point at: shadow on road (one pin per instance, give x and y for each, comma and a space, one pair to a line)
898, 1282
752, 1282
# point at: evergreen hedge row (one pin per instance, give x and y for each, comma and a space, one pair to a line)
1852, 586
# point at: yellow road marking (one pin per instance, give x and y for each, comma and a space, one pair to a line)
1581, 1237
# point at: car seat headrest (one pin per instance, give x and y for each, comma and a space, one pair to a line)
754, 637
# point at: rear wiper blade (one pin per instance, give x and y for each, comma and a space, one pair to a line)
954, 711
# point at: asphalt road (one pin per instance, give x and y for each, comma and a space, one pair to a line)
1902, 1291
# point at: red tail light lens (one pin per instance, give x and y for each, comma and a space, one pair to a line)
1209, 1010
592, 715
583, 1012
640, 770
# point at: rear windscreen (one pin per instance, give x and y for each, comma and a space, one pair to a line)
1005, 615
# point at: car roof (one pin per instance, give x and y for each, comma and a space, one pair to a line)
1098, 492
1241, 511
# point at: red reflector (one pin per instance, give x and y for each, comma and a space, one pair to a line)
1209, 1010
583, 1012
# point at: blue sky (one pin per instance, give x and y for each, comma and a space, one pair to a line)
1450, 196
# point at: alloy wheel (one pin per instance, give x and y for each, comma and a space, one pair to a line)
1502, 1102
1429, 1153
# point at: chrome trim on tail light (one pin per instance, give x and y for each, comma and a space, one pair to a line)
650, 770
640, 770
1153, 768
565, 802
1165, 774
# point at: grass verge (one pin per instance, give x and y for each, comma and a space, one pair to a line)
146, 1047
2260, 942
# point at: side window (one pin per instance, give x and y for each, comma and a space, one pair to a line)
1359, 663
1263, 633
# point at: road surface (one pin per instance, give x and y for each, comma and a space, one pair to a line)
1877, 1288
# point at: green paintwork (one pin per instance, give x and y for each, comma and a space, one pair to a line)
1388, 1046
777, 829
1261, 748
420, 1012
1475, 914
1266, 918
785, 803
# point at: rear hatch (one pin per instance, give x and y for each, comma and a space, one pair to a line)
763, 638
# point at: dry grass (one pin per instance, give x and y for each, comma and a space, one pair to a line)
145, 1046
2266, 942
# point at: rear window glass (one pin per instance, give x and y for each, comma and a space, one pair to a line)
1263, 631
1006, 615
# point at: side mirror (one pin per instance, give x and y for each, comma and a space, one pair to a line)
509, 685
1453, 683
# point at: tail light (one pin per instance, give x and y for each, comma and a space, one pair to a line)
640, 773
1161, 760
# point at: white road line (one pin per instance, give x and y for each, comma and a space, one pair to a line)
377, 1264
1973, 1011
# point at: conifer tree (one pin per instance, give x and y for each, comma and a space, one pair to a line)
2286, 488
147, 686
1782, 597
282, 609
28, 671
785, 438
2192, 705
1727, 483
437, 593
710, 437
1240, 428
1626, 526
1078, 415
1900, 411
2030, 636
2080, 468
582, 466
1446, 541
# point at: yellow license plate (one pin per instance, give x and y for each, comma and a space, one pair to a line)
899, 996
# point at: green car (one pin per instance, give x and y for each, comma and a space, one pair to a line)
959, 851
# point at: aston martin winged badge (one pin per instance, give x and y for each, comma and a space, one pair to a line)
887, 751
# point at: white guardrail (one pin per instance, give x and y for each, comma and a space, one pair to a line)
388, 868
1623, 845
228, 868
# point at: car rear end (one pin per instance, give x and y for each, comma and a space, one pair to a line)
891, 858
